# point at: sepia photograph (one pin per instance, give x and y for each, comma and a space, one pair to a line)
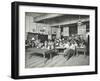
56, 40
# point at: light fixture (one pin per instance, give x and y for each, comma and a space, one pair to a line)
33, 30
79, 21
44, 28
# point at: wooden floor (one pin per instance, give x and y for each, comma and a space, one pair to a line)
59, 60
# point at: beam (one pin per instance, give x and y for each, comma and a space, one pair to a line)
70, 22
47, 16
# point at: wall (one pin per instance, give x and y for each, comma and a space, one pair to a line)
31, 26
5, 41
35, 27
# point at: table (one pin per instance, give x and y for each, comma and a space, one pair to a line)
38, 51
60, 49
81, 49
51, 53
45, 52
27, 46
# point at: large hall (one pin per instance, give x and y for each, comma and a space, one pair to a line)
53, 40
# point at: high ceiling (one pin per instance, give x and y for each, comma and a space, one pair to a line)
54, 19
34, 14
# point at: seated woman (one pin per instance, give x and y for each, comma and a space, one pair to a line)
69, 52
40, 45
50, 53
46, 44
66, 45
50, 44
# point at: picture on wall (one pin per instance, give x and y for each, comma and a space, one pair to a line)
51, 40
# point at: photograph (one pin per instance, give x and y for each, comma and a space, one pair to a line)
50, 40
53, 40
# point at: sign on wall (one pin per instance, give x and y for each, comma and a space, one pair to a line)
66, 31
82, 29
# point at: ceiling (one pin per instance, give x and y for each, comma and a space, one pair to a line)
56, 19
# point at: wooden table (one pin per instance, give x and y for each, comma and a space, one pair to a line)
51, 53
37, 51
45, 52
81, 49
60, 49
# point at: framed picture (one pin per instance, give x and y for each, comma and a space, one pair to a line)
50, 40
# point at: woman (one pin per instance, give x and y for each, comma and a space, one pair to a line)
69, 52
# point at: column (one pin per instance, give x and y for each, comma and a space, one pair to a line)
58, 36
49, 32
